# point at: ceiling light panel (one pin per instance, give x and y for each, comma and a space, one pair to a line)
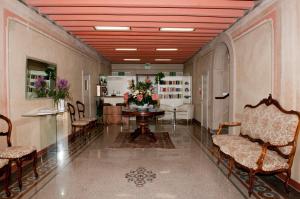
113, 28
177, 29
132, 59
126, 49
163, 59
166, 49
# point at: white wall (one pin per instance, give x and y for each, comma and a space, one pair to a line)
140, 69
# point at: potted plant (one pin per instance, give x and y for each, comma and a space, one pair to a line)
158, 77
61, 93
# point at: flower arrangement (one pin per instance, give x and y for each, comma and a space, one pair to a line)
141, 94
61, 91
40, 87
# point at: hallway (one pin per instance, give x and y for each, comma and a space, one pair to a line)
183, 172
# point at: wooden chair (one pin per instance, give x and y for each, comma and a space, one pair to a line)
80, 124
17, 154
81, 113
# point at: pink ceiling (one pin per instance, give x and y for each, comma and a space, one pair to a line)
145, 17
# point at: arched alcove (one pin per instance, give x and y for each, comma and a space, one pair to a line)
220, 84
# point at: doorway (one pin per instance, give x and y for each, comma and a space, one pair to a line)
86, 93
205, 97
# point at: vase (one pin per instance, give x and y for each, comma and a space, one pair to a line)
143, 107
61, 105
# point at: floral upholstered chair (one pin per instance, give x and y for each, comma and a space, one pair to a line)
267, 141
17, 154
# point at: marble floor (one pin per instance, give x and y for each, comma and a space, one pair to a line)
186, 172
100, 172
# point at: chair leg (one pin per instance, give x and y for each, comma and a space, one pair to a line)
219, 156
286, 183
35, 164
19, 167
7, 177
251, 182
230, 168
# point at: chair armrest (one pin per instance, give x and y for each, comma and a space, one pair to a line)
227, 124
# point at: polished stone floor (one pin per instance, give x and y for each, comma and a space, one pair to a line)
91, 169
102, 172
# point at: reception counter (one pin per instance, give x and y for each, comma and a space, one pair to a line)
113, 100
112, 114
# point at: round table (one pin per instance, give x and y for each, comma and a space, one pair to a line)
142, 118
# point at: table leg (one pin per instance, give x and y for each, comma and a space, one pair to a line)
143, 129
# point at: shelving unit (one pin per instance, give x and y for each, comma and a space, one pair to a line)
175, 90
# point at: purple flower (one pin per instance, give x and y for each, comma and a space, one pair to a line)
39, 83
63, 84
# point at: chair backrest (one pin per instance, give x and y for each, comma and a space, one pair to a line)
269, 122
81, 109
9, 129
72, 112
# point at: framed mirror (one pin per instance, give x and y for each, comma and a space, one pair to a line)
40, 78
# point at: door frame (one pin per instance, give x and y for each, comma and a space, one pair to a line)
89, 107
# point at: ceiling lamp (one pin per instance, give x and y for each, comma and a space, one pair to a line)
132, 59
163, 59
126, 49
113, 28
166, 49
177, 29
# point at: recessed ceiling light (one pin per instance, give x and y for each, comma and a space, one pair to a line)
177, 29
166, 49
126, 49
163, 59
124, 28
132, 59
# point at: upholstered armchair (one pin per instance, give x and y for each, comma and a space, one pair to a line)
185, 111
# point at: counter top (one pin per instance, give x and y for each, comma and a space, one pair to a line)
117, 96
42, 112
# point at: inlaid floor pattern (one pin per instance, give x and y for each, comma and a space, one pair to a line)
92, 170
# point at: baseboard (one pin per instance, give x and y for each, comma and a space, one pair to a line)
292, 183
196, 122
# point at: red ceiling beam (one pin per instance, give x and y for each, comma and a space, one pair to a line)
142, 11
125, 18
239, 4
143, 24
143, 29
144, 37
126, 33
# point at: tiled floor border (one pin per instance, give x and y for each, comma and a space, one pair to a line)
50, 167
239, 178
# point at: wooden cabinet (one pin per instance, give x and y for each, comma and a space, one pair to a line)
112, 114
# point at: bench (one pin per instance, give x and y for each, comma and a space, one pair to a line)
266, 143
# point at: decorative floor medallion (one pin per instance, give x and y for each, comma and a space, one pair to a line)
140, 176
